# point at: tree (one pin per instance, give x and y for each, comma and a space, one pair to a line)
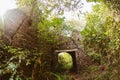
48, 26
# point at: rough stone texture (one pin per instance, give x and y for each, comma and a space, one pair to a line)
18, 31
12, 20
74, 43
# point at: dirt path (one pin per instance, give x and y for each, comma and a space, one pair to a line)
75, 76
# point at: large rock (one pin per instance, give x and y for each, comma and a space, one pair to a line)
65, 60
18, 31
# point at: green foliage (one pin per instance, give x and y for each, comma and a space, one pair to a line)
101, 41
49, 31
48, 6
95, 56
94, 31
113, 4
17, 62
61, 77
49, 26
13, 59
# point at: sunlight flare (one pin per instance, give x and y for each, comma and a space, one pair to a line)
6, 5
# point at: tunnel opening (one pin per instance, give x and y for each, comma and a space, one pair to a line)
72, 53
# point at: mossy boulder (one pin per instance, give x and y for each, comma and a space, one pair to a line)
65, 60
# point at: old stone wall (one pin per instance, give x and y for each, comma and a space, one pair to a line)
18, 31
74, 43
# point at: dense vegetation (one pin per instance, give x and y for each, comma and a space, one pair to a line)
101, 41
100, 38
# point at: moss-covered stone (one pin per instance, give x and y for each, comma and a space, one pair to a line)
65, 60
